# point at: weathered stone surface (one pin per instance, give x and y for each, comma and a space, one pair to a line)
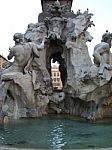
26, 83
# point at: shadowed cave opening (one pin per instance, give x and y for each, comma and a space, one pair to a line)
56, 57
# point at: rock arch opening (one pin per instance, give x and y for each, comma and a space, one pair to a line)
61, 64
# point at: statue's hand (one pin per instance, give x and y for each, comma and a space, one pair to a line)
10, 49
11, 53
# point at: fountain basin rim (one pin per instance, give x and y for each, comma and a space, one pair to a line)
13, 148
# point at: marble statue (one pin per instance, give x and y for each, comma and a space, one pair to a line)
59, 36
23, 54
102, 53
55, 26
55, 9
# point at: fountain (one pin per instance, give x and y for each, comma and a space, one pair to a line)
60, 35
26, 84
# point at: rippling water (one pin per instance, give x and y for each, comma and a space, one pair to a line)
56, 132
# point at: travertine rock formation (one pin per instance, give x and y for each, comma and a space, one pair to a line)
61, 36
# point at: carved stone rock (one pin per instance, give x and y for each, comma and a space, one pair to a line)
27, 82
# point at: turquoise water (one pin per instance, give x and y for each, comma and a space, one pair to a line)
56, 132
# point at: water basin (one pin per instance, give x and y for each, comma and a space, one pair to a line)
56, 132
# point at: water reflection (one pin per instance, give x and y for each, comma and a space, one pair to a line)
57, 137
56, 133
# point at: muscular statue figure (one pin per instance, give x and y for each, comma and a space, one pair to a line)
23, 53
107, 37
102, 51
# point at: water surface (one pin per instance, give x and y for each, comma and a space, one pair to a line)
56, 132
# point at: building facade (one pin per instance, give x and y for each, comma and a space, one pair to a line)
56, 79
2, 61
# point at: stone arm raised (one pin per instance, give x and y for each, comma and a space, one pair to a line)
11, 53
35, 50
36, 47
41, 46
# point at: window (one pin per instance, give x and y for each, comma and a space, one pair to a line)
54, 79
58, 80
58, 74
54, 74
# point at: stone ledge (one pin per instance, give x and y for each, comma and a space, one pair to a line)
10, 148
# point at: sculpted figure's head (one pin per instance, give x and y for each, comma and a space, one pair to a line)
18, 37
107, 37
